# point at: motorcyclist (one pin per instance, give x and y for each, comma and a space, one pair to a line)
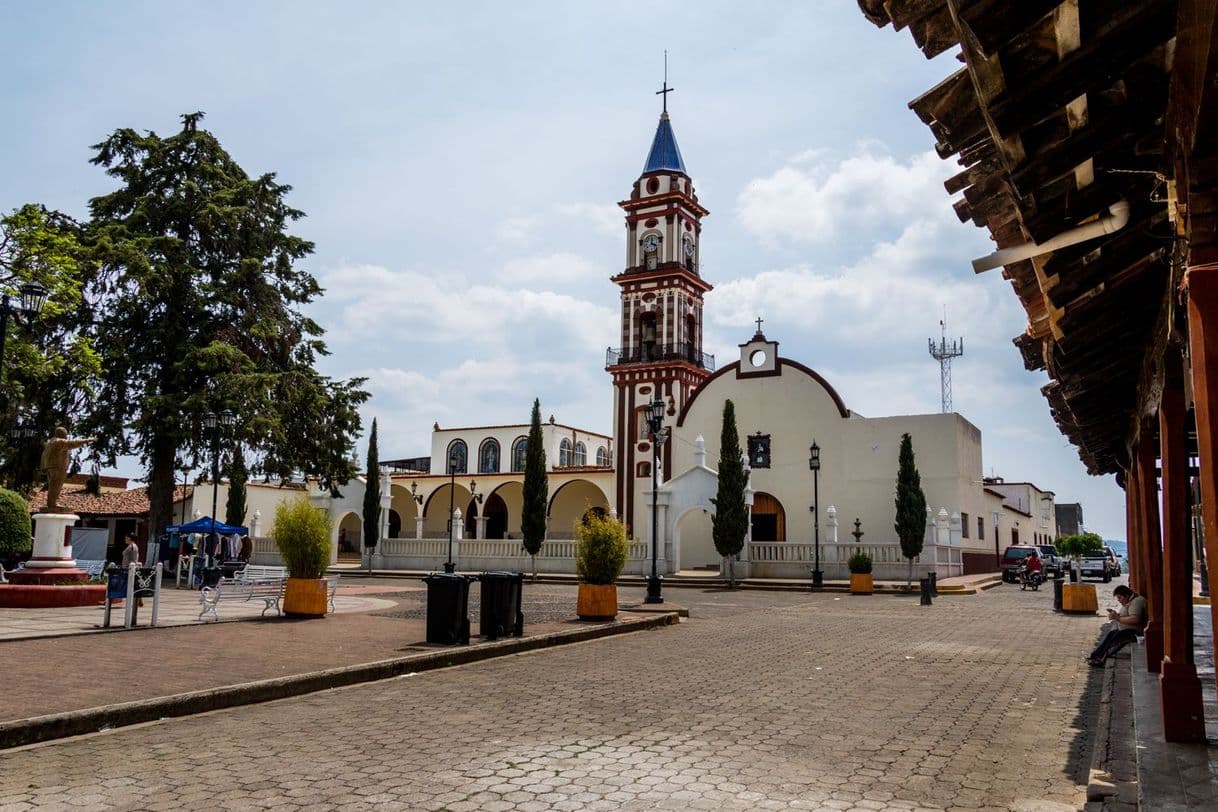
1033, 569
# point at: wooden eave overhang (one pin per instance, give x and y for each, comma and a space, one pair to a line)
1060, 110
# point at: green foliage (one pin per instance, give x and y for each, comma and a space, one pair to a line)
536, 487
16, 531
859, 563
1080, 544
601, 550
50, 364
202, 308
235, 505
372, 493
910, 504
730, 523
302, 534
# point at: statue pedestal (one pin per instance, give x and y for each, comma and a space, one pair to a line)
51, 561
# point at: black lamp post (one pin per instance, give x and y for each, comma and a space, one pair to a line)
818, 577
655, 422
449, 566
217, 424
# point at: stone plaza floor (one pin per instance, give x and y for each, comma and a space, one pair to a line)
760, 700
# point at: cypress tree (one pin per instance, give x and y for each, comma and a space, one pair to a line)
536, 489
235, 505
730, 521
911, 506
372, 493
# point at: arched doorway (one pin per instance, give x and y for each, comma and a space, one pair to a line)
496, 514
469, 519
350, 537
769, 520
570, 502
695, 542
395, 524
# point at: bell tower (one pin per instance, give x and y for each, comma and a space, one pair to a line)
660, 354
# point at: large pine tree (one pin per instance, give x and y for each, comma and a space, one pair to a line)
911, 506
730, 523
200, 304
372, 494
536, 489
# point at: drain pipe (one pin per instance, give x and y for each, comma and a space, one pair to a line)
1117, 218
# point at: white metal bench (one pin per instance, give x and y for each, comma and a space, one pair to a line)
96, 569
269, 591
331, 588
252, 573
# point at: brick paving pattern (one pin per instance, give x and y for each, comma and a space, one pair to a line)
759, 701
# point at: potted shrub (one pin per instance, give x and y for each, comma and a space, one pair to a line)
600, 555
16, 538
860, 573
302, 534
1077, 596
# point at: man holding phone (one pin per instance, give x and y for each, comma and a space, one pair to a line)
1126, 625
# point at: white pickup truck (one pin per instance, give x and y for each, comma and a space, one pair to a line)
1055, 565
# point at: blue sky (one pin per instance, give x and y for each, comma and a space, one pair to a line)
460, 165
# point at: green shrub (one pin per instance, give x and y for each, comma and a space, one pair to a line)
601, 550
16, 532
860, 563
302, 534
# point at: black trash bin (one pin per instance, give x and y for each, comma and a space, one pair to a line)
501, 596
211, 575
1057, 594
447, 609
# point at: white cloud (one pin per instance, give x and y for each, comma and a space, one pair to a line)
552, 270
812, 201
605, 218
517, 230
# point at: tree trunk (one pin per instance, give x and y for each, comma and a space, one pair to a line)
534, 557
161, 485
731, 571
909, 577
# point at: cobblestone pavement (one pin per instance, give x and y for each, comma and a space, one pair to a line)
759, 701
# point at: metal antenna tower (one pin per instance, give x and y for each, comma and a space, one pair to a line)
944, 353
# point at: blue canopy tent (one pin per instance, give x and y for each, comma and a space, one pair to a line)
205, 524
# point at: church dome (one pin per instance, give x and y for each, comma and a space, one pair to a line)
665, 156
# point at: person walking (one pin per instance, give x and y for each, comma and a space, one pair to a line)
131, 552
1125, 625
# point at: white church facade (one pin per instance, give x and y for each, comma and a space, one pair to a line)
474, 475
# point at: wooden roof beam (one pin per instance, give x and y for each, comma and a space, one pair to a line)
996, 22
1095, 66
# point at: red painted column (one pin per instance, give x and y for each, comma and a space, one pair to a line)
1152, 555
1203, 352
1179, 687
1133, 545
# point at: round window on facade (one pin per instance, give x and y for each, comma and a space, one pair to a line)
757, 358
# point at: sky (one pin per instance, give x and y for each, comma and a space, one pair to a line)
460, 165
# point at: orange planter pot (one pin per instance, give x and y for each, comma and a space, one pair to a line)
860, 583
1079, 599
597, 602
305, 597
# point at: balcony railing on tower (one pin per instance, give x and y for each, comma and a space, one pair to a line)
648, 353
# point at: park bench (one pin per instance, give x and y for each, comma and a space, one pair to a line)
331, 588
269, 591
95, 569
252, 573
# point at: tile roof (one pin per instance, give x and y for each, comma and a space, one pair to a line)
132, 502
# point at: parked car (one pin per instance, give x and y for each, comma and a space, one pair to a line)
1114, 563
1055, 565
1012, 560
1096, 565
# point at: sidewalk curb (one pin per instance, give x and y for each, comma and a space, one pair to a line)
20, 732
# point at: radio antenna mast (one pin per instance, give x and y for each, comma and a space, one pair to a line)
944, 352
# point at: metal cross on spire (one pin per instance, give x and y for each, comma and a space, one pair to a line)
665, 90
759, 320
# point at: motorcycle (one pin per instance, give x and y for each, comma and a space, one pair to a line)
1030, 578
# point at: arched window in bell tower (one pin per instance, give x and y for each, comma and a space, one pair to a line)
691, 339
647, 337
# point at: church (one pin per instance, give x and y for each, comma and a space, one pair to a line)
800, 517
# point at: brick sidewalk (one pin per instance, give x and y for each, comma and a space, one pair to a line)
90, 670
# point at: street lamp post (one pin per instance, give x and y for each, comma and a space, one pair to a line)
449, 566
655, 422
216, 424
818, 577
